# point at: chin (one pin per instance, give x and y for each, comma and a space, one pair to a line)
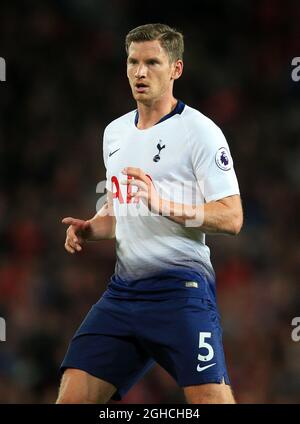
142, 98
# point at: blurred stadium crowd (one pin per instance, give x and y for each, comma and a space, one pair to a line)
66, 80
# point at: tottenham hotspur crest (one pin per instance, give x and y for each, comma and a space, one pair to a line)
156, 158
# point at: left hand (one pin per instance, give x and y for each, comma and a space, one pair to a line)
146, 189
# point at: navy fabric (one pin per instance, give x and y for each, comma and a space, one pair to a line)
170, 284
121, 339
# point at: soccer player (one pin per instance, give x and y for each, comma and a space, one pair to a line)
170, 180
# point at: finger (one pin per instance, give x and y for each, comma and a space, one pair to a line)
76, 243
136, 173
71, 231
74, 246
67, 220
77, 240
139, 184
69, 248
73, 221
71, 235
71, 241
140, 195
70, 245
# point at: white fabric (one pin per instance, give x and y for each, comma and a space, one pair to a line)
196, 156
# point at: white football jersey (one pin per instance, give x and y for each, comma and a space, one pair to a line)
188, 159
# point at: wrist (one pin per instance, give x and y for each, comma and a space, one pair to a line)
170, 209
89, 232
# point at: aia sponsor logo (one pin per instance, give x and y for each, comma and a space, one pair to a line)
121, 196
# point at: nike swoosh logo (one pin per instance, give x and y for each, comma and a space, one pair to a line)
200, 369
111, 153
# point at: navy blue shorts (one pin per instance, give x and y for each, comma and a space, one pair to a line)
121, 339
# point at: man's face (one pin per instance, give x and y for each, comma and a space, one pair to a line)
149, 71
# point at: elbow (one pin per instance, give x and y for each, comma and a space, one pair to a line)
237, 223
233, 218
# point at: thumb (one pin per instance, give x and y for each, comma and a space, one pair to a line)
79, 223
72, 221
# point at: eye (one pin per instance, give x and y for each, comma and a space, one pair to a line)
152, 62
132, 61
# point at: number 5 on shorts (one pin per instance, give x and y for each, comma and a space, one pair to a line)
203, 344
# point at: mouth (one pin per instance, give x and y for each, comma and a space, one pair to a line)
141, 87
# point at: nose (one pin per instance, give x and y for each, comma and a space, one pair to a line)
141, 71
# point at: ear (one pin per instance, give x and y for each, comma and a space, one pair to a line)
177, 69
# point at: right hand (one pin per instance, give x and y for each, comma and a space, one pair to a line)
76, 233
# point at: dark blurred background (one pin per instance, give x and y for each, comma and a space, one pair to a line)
66, 80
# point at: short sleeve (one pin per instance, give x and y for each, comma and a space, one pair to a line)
212, 161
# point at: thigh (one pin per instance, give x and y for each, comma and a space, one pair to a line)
184, 336
78, 386
105, 347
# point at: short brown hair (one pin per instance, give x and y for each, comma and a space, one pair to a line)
170, 39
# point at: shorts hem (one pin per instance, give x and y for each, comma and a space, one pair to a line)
207, 380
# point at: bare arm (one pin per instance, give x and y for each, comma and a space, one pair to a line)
100, 227
103, 224
224, 216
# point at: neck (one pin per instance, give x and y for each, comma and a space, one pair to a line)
150, 114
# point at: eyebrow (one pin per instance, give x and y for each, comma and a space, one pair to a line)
150, 59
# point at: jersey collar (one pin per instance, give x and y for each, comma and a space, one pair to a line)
177, 110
